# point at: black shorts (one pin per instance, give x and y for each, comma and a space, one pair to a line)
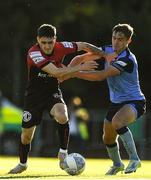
138, 105
36, 103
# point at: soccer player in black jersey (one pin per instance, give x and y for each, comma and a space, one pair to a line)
44, 62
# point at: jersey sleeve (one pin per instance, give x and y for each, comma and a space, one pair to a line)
69, 47
38, 59
123, 64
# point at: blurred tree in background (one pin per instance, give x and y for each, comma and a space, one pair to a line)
76, 20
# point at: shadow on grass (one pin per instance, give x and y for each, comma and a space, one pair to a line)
30, 176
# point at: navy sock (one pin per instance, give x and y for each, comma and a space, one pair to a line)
63, 133
23, 152
122, 130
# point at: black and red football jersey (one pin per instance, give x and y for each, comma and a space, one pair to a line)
36, 60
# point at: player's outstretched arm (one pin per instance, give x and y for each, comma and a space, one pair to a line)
84, 46
83, 58
59, 72
98, 75
93, 75
94, 49
78, 60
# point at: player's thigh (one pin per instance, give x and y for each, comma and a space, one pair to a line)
109, 133
27, 134
123, 117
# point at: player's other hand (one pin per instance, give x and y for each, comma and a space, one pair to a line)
111, 56
89, 65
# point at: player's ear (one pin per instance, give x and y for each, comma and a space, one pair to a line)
37, 39
129, 40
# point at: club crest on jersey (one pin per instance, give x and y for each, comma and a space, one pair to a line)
67, 44
26, 116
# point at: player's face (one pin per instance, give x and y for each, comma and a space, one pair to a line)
46, 44
119, 41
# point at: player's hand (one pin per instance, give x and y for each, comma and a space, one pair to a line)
89, 65
63, 78
110, 57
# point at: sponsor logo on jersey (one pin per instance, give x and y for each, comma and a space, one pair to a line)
36, 56
121, 63
26, 116
43, 75
67, 44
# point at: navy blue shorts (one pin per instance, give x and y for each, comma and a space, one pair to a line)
138, 105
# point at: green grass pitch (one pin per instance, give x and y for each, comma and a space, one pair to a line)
47, 168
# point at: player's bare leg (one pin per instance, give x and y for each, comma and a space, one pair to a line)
24, 148
127, 115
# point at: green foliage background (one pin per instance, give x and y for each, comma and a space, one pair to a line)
76, 20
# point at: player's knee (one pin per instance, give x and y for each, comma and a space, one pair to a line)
61, 118
116, 124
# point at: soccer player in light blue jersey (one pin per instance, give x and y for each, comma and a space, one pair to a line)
127, 100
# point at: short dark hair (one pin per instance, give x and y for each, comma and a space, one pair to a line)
46, 30
126, 29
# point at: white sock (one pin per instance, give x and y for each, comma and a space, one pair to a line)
63, 150
129, 145
23, 164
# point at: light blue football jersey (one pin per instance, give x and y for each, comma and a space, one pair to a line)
126, 86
